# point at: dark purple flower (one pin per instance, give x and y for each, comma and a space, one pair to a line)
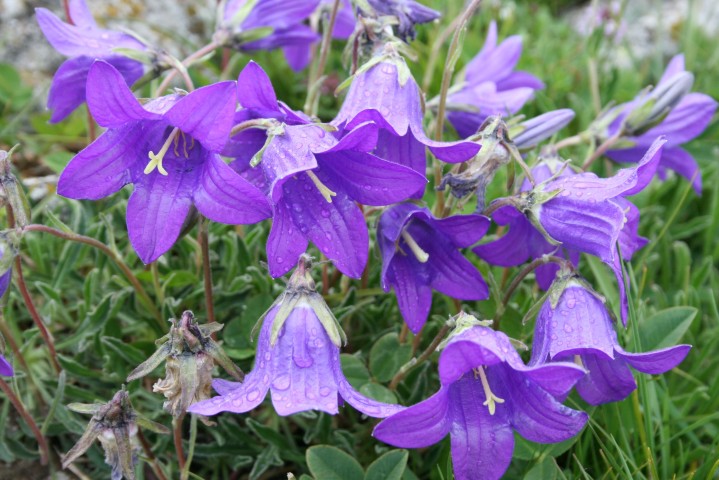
580, 213
186, 132
578, 325
486, 394
385, 93
313, 181
408, 12
420, 253
297, 359
83, 42
491, 86
268, 25
686, 121
6, 369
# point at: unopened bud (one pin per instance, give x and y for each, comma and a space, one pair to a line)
529, 133
658, 104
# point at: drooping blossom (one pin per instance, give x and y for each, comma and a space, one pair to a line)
421, 253
313, 180
686, 121
408, 12
115, 425
187, 132
491, 86
297, 360
189, 354
579, 213
385, 93
578, 325
486, 394
268, 25
83, 41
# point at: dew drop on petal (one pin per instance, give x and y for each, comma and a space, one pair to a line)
324, 391
253, 395
282, 382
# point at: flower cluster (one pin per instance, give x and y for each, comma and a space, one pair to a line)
234, 153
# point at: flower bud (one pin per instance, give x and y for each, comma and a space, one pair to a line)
530, 133
658, 104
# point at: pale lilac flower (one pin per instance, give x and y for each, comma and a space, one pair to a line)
578, 326
408, 12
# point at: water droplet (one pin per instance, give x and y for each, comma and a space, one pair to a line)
282, 382
253, 395
279, 259
565, 193
328, 235
571, 302
267, 355
266, 379
237, 402
554, 337
368, 187
311, 395
324, 391
325, 213
568, 328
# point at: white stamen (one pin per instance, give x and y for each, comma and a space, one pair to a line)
420, 254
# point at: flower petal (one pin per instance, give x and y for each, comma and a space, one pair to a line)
657, 361
6, 369
482, 444
411, 286
254, 89
366, 405
224, 196
418, 426
67, 90
470, 349
110, 100
683, 163
244, 398
607, 380
685, 122
407, 151
521, 242
464, 230
285, 243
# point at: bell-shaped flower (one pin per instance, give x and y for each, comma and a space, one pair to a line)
577, 326
408, 12
421, 253
684, 122
491, 86
115, 425
83, 41
486, 394
268, 25
297, 359
168, 149
579, 212
384, 92
189, 353
314, 181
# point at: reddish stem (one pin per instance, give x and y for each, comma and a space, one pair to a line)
44, 452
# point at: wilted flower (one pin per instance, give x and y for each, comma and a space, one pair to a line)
408, 12
83, 41
269, 24
297, 359
115, 424
12, 192
420, 253
190, 353
490, 86
486, 394
384, 92
580, 213
576, 326
670, 111
187, 132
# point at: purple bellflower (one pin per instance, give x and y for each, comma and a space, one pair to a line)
686, 121
490, 86
408, 12
580, 213
420, 253
83, 42
384, 92
187, 132
578, 326
313, 181
297, 359
486, 394
6, 369
269, 24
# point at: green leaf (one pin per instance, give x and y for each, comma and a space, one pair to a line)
127, 352
354, 369
389, 466
378, 392
331, 463
665, 328
387, 356
58, 160
545, 470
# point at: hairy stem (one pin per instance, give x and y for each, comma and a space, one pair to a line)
409, 366
206, 269
147, 448
606, 145
313, 90
177, 437
186, 62
42, 443
191, 451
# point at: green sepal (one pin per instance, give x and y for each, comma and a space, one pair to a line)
151, 363
221, 358
85, 408
150, 425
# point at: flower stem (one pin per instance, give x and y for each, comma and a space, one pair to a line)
74, 237
313, 83
186, 62
606, 145
191, 451
206, 269
42, 443
147, 448
177, 437
409, 366
36, 316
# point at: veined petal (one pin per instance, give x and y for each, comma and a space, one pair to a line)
629, 239
656, 362
206, 114
366, 405
518, 244
683, 163
104, 166
157, 210
410, 281
223, 386
244, 398
302, 365
476, 346
607, 380
685, 122
418, 426
224, 196
338, 227
362, 138
254, 89
274, 13
67, 90
80, 13
482, 444
285, 243
557, 378
407, 151
110, 100
464, 230
519, 79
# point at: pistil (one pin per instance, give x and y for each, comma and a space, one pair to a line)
156, 159
492, 399
324, 191
420, 254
